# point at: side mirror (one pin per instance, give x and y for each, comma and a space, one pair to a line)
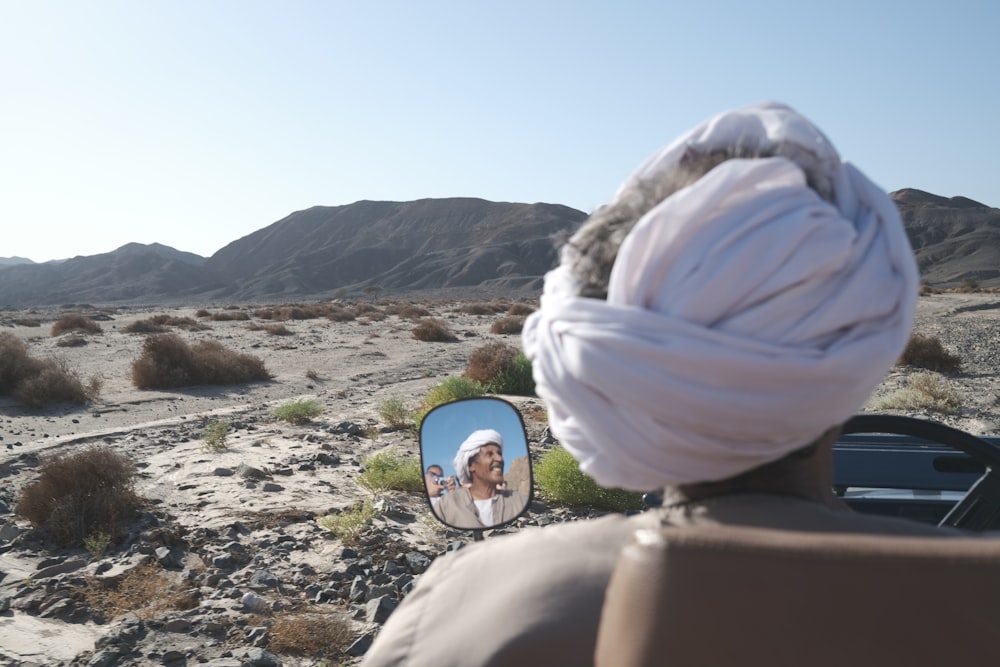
472, 481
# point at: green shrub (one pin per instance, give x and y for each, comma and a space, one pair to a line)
451, 389
393, 412
390, 470
215, 435
560, 480
501, 368
348, 525
927, 352
515, 379
923, 391
80, 495
298, 412
96, 544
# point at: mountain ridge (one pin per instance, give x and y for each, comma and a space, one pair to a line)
460, 243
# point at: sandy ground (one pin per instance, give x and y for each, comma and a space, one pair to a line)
354, 366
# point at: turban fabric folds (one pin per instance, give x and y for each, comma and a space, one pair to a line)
468, 449
746, 314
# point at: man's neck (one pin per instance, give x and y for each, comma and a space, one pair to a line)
809, 478
482, 490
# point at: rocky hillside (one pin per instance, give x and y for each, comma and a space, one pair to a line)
429, 244
425, 244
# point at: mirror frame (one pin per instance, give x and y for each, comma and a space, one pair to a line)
458, 406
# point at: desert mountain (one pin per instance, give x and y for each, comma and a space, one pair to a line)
424, 244
429, 244
955, 239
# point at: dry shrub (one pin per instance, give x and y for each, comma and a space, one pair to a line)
39, 382
520, 309
924, 391
230, 316
364, 309
53, 382
75, 322
432, 330
149, 326
374, 316
81, 494
167, 361
310, 634
278, 330
477, 309
486, 362
512, 324
927, 352
75, 340
201, 312
145, 591
16, 363
339, 314
28, 323
406, 311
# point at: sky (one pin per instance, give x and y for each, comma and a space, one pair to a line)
193, 123
443, 430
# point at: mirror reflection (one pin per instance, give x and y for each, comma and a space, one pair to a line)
476, 466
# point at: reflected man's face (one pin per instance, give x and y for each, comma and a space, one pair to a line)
487, 464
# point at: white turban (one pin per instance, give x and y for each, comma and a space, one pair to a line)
745, 314
468, 449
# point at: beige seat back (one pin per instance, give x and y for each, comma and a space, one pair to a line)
716, 596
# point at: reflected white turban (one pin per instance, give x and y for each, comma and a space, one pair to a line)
468, 449
745, 314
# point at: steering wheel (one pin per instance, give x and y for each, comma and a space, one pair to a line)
980, 507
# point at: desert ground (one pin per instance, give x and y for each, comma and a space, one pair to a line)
248, 548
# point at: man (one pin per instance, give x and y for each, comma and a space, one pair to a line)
707, 332
480, 501
433, 477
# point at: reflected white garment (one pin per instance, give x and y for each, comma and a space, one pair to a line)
745, 314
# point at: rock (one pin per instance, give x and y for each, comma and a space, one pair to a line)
379, 609
350, 428
165, 557
255, 603
361, 645
327, 459
249, 472
358, 590
263, 579
223, 472
417, 562
70, 565
177, 625
271, 487
104, 658
173, 658
258, 657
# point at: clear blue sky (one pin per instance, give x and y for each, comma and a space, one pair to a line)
444, 430
194, 123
